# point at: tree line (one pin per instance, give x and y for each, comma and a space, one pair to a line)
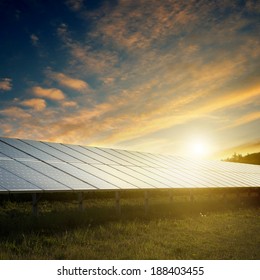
253, 158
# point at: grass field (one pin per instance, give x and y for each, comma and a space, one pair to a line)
208, 228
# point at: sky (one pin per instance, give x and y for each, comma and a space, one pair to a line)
174, 77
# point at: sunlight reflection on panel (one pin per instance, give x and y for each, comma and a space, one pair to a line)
33, 166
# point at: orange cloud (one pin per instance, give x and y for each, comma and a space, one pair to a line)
138, 26
69, 82
69, 104
191, 77
50, 93
5, 84
37, 104
235, 98
92, 61
254, 116
128, 125
15, 113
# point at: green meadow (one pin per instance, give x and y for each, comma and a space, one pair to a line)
209, 227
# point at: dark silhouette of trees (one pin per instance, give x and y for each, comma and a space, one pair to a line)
249, 158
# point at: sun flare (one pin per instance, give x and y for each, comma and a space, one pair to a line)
199, 148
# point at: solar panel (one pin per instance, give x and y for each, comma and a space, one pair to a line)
150, 161
125, 175
29, 150
32, 176
98, 183
69, 149
126, 159
108, 177
193, 174
176, 179
115, 158
217, 171
211, 171
49, 149
4, 157
11, 182
33, 166
89, 152
60, 176
12, 152
140, 173
137, 158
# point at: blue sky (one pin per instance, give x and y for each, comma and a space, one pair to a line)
144, 75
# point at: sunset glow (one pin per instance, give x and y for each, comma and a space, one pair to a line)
199, 148
138, 75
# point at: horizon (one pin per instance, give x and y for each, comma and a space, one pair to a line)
151, 76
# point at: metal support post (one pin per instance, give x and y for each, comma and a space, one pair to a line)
34, 204
80, 201
117, 200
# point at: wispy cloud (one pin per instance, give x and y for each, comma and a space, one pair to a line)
97, 62
153, 65
5, 84
49, 93
34, 39
138, 26
243, 120
75, 5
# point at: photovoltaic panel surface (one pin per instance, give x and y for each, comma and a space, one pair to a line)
36, 178
126, 159
111, 157
125, 174
10, 181
34, 166
4, 157
68, 149
139, 160
91, 153
12, 152
111, 178
29, 150
59, 175
49, 149
96, 182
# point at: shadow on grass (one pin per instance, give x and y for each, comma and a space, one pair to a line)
16, 218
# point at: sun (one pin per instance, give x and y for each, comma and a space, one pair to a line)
199, 148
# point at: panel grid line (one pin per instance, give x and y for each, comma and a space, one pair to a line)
203, 169
114, 166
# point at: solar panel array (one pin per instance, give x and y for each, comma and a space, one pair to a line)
33, 166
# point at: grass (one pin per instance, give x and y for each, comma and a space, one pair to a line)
208, 228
